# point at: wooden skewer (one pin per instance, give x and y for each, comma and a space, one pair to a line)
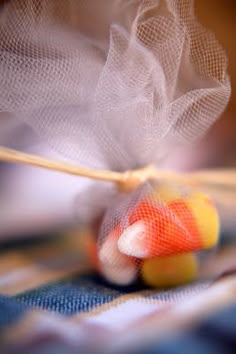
10, 155
219, 177
127, 180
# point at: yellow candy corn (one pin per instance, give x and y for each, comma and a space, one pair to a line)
206, 218
170, 271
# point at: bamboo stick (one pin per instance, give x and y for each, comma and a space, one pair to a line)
127, 180
14, 156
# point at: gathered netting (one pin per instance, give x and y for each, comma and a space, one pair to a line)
117, 85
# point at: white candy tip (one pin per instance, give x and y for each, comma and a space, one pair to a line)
132, 240
120, 275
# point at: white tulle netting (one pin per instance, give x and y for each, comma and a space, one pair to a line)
113, 84
110, 84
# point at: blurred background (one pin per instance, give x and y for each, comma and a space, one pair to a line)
220, 17
34, 199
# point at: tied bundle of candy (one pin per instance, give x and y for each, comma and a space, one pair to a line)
116, 94
155, 232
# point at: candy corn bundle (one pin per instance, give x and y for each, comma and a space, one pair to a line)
117, 86
155, 231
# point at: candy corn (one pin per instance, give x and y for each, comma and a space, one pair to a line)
206, 217
170, 271
182, 225
161, 231
116, 267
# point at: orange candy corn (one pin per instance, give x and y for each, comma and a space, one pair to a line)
116, 267
154, 232
183, 225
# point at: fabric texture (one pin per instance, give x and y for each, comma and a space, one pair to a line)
77, 311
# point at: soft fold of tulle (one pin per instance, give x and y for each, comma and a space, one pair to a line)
112, 85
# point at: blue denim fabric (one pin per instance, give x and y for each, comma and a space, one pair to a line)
10, 311
74, 295
70, 296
